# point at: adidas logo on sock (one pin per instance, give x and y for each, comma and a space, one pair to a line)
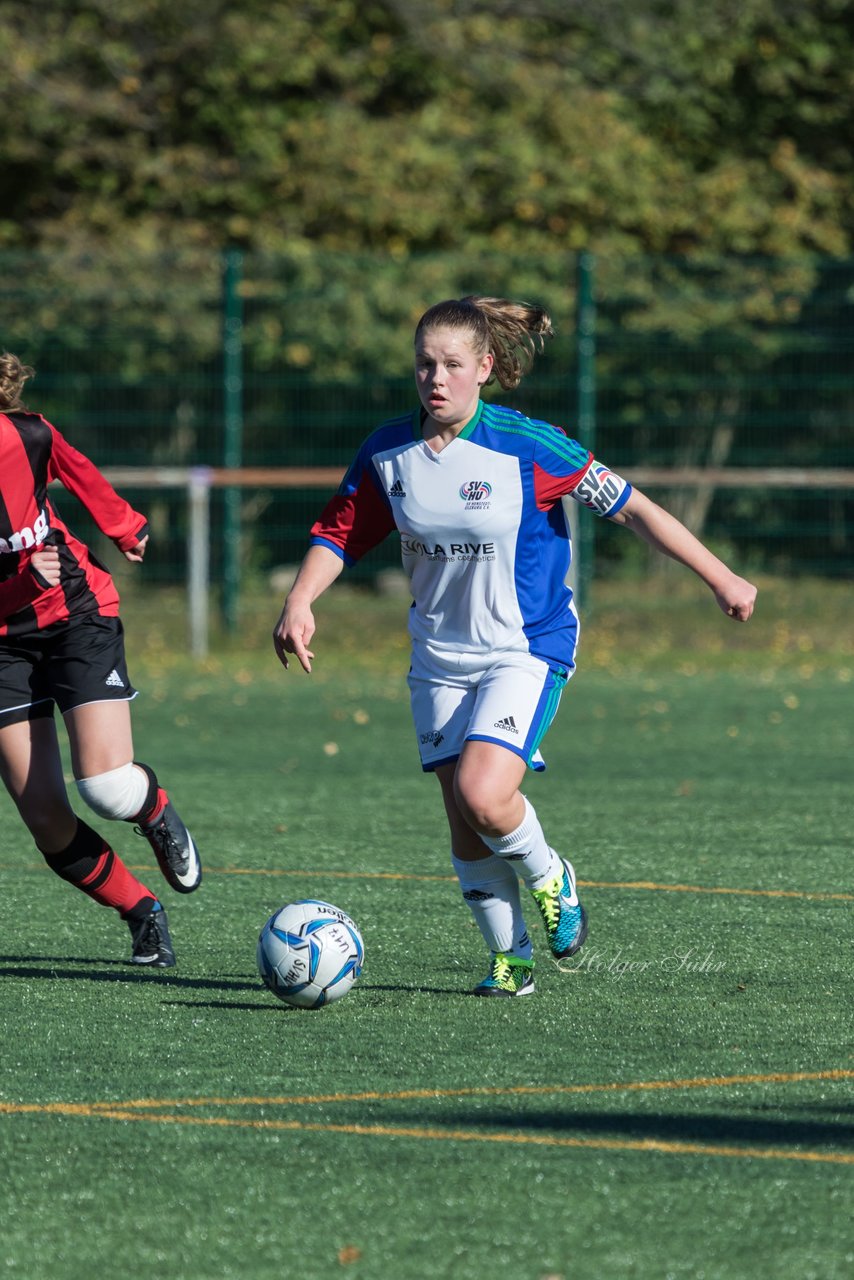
114, 680
508, 724
397, 490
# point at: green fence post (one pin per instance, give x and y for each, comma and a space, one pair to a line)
232, 387
586, 405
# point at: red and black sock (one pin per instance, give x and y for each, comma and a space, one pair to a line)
92, 866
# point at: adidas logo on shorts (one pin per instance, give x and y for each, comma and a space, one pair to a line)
114, 680
508, 724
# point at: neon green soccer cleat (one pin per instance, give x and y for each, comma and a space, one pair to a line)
509, 976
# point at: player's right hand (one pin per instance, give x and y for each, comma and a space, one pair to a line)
292, 634
44, 566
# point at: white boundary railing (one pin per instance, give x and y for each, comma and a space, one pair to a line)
198, 482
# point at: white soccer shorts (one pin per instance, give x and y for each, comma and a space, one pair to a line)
510, 702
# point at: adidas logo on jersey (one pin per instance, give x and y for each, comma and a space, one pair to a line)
508, 724
397, 490
114, 680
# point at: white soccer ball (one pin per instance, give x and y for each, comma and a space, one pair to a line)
310, 953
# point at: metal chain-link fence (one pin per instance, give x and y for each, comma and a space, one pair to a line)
186, 359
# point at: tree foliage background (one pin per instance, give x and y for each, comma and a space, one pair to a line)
619, 126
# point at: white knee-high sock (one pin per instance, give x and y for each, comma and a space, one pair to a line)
491, 890
526, 850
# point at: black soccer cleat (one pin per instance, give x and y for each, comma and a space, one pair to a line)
174, 848
152, 945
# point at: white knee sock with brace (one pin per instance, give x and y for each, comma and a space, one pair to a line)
118, 794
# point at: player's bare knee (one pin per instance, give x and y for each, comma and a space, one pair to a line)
482, 809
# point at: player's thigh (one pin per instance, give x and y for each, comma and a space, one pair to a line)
487, 782
441, 708
90, 683
100, 736
31, 769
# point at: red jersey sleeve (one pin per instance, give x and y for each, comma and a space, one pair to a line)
113, 516
356, 519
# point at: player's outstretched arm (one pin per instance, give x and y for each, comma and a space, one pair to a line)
294, 630
735, 595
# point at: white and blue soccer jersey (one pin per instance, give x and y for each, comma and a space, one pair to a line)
484, 537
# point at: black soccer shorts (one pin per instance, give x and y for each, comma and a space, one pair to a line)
78, 662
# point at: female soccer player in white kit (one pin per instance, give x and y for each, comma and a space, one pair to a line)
475, 492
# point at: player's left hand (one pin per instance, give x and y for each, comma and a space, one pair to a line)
736, 598
137, 553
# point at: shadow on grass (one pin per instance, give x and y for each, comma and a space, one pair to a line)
713, 1127
242, 1006
364, 990
410, 989
53, 969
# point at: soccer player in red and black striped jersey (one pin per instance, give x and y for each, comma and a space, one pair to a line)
62, 645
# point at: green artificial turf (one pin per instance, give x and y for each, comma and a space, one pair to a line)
674, 1102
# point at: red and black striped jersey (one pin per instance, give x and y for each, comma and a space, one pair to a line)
32, 454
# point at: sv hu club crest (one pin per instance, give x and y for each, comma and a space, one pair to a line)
475, 491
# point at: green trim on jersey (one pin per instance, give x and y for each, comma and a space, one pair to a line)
543, 432
472, 423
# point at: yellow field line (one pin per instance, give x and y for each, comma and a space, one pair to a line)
650, 886
467, 1135
141, 1110
700, 888
489, 1091
333, 875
